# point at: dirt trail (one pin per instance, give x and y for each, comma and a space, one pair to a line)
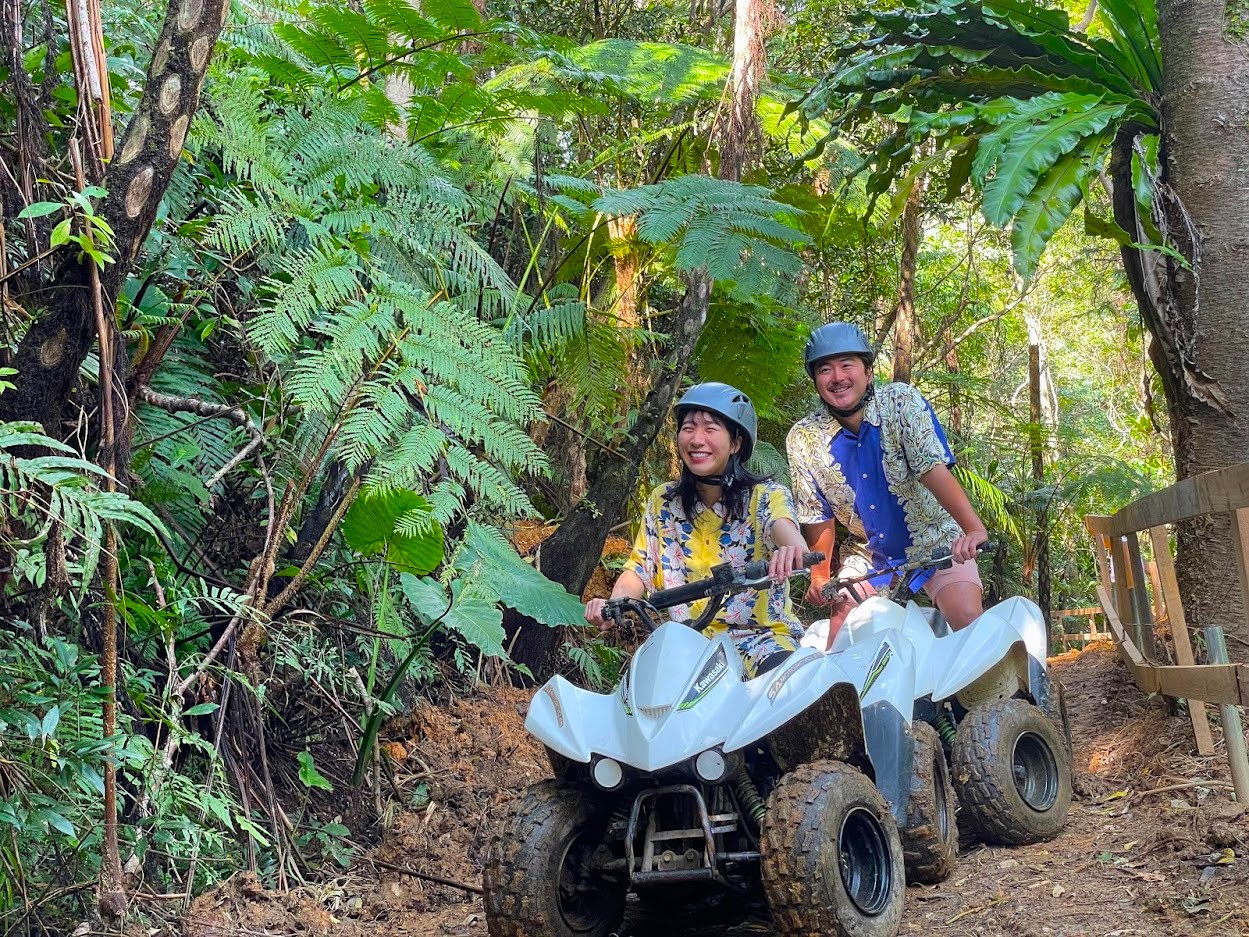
1131, 863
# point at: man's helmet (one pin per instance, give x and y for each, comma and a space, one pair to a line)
837, 338
726, 401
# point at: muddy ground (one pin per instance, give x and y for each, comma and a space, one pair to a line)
1154, 844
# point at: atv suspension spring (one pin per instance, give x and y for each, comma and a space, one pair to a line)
944, 724
748, 796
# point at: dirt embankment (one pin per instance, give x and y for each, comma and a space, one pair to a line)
1154, 845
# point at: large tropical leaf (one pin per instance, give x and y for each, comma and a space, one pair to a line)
476, 620
1005, 94
495, 569
398, 524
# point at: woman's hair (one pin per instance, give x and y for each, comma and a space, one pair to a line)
737, 481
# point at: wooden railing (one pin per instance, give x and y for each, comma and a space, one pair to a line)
1137, 599
1058, 626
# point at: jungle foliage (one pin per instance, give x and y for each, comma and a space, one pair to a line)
410, 282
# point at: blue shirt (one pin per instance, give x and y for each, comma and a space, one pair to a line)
869, 480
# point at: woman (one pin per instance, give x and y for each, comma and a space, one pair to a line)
716, 512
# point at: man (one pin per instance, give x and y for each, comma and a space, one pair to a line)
875, 460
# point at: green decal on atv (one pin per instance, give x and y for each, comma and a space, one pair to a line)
877, 668
624, 695
715, 668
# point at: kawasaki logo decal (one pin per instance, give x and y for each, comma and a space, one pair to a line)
789, 672
877, 668
714, 669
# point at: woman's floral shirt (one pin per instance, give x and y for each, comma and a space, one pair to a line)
672, 550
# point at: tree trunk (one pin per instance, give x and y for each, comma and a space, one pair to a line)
956, 395
1036, 434
50, 354
1205, 108
905, 320
571, 553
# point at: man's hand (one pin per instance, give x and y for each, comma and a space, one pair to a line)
594, 614
815, 592
964, 548
785, 560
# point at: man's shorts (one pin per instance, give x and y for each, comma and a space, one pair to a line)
965, 571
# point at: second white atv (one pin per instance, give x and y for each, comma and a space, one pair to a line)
985, 714
690, 776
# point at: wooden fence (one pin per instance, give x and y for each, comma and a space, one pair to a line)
1142, 603
1058, 626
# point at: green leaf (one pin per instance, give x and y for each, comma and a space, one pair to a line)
60, 234
309, 776
40, 209
475, 619
1047, 207
50, 721
54, 820
373, 526
485, 557
251, 829
1034, 149
202, 709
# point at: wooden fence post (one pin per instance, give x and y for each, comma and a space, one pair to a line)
1174, 607
1233, 731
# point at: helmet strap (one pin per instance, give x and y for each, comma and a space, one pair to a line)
725, 479
851, 411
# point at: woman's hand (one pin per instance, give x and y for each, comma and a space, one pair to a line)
594, 614
785, 561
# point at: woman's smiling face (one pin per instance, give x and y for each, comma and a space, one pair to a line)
705, 442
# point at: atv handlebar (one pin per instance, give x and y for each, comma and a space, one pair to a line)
939, 559
723, 581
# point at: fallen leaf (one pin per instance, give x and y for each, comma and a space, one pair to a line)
1058, 890
1226, 857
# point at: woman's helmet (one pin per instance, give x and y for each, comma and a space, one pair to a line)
837, 338
726, 401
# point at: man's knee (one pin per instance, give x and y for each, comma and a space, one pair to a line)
961, 603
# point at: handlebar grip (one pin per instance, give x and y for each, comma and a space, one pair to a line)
680, 595
941, 555
756, 569
810, 559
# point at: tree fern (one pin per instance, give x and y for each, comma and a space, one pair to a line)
64, 489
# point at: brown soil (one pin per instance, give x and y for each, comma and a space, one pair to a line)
1134, 861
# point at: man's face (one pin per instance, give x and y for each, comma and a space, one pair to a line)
842, 380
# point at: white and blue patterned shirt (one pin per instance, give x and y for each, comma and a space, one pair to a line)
869, 481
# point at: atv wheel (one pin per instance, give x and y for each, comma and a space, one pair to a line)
538, 877
831, 859
1056, 709
1012, 773
930, 837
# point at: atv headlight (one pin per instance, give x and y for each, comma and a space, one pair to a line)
711, 766
607, 773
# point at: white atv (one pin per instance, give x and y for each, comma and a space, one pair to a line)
981, 699
690, 773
